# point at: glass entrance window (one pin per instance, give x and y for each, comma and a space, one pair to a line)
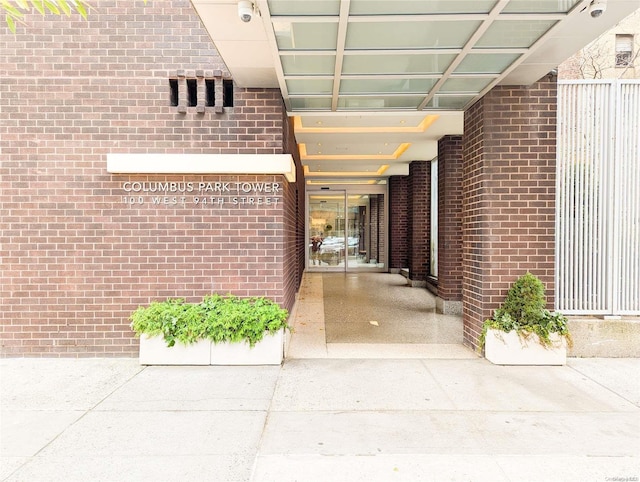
346, 231
326, 229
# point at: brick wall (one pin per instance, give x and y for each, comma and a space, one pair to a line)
294, 216
450, 218
419, 219
398, 222
77, 258
508, 196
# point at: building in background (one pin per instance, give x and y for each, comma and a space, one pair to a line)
613, 55
598, 171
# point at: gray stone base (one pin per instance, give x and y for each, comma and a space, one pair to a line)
597, 337
416, 283
447, 307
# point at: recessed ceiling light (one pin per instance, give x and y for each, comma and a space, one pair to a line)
319, 123
402, 122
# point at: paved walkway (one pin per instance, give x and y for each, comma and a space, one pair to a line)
436, 414
319, 420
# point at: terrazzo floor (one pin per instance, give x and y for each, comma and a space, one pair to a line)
371, 315
382, 308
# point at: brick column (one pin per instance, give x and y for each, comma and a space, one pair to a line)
450, 225
509, 196
419, 221
398, 222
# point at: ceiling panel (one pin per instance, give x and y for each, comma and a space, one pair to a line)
424, 34
381, 85
540, 6
465, 84
309, 86
306, 35
308, 64
450, 102
514, 33
485, 63
413, 7
372, 102
297, 7
396, 63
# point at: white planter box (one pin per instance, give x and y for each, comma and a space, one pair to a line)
154, 351
268, 351
509, 349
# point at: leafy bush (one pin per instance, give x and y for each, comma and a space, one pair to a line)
525, 301
524, 311
217, 318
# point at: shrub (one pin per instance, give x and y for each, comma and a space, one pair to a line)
217, 318
524, 311
525, 301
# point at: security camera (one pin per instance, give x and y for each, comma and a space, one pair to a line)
597, 8
245, 10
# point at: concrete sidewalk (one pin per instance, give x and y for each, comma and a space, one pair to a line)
319, 420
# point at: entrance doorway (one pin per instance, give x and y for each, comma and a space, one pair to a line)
347, 228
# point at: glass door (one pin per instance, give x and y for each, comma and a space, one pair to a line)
347, 229
326, 231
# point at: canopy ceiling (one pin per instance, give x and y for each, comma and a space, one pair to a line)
374, 84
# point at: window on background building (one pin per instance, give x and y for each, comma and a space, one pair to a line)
173, 92
624, 50
192, 92
227, 94
210, 92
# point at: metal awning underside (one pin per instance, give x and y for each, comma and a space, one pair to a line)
378, 82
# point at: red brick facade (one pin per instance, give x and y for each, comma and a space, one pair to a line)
398, 222
294, 218
419, 219
450, 218
77, 254
508, 201
410, 207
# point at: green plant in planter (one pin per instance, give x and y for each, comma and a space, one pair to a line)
217, 318
523, 311
233, 319
174, 319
